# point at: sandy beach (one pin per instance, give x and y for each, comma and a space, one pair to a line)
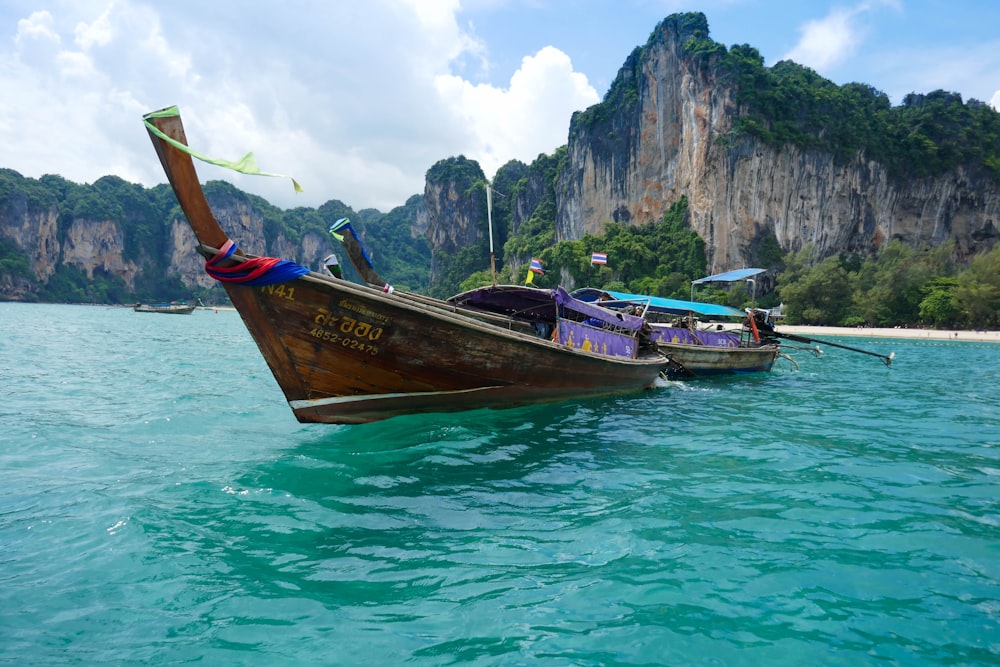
915, 334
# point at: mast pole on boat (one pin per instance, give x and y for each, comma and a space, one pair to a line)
489, 222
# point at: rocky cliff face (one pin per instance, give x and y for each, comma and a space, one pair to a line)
452, 217
630, 166
88, 245
244, 224
454, 213
32, 229
98, 246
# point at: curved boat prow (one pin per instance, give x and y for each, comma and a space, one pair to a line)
180, 171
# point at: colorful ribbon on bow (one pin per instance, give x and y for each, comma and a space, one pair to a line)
255, 271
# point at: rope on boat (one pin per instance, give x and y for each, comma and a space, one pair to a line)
253, 271
792, 361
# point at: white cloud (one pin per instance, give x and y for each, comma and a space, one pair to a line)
995, 100
355, 100
75, 65
826, 43
38, 26
529, 117
96, 33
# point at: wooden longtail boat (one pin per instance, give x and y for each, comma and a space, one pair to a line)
168, 308
702, 353
712, 349
346, 353
697, 352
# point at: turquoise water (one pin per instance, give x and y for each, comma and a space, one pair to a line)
160, 505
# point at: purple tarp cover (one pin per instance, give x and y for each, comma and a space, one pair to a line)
591, 339
539, 305
688, 337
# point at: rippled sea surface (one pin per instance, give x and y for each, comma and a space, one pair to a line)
160, 505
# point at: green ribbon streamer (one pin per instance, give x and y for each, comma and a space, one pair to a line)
245, 165
336, 226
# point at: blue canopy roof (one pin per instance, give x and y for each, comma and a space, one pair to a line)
661, 304
729, 276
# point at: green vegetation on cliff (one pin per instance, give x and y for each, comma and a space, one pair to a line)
400, 255
536, 233
926, 135
13, 261
659, 258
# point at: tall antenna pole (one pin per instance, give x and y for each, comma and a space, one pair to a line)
489, 222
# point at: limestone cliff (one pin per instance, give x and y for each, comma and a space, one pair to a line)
96, 245
243, 222
454, 212
31, 227
45, 239
87, 244
668, 134
454, 219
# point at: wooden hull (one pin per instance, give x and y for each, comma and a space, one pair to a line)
169, 310
702, 360
344, 353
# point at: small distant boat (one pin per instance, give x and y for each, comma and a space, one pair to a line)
169, 308
345, 353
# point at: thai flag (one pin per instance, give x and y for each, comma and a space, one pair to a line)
536, 266
598, 258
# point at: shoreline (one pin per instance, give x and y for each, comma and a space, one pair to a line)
913, 334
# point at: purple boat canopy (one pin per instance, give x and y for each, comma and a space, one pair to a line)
541, 305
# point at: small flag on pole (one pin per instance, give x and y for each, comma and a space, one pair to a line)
598, 258
530, 278
536, 266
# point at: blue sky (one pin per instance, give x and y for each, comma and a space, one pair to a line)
358, 99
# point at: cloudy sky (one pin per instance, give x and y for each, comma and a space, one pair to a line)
358, 98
